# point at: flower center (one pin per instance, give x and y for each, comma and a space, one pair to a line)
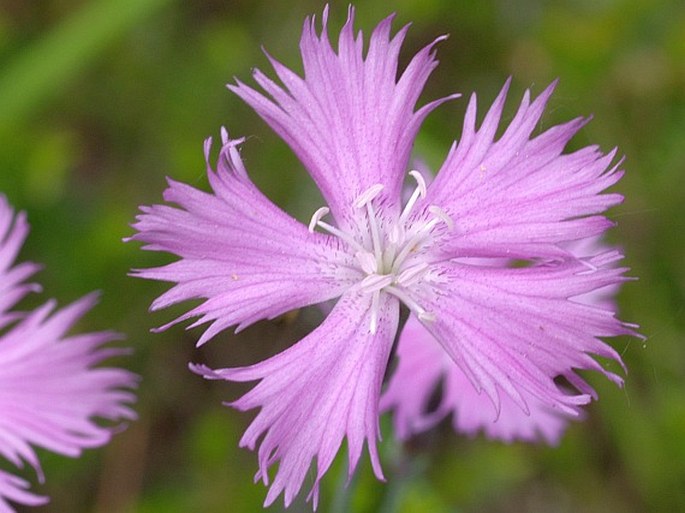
389, 252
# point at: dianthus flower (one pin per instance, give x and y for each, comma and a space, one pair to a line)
50, 391
352, 121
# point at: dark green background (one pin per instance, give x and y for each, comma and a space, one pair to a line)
100, 100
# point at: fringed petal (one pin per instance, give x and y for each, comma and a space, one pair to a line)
313, 395
516, 330
50, 391
517, 196
247, 258
13, 231
423, 365
15, 489
350, 120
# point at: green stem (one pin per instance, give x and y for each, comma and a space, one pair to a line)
343, 492
407, 469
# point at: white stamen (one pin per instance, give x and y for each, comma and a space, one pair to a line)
342, 235
420, 182
396, 235
375, 306
385, 249
419, 191
442, 215
367, 262
388, 256
410, 276
365, 197
375, 282
427, 316
224, 135
411, 246
364, 200
417, 239
375, 233
420, 312
316, 217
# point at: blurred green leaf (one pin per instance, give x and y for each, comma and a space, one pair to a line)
42, 69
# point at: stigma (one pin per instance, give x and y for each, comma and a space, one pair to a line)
390, 252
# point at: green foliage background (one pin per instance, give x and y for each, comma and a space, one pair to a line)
101, 99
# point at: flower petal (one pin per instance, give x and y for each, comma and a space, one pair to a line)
516, 330
239, 251
423, 364
349, 120
518, 197
13, 231
420, 367
49, 390
15, 489
322, 389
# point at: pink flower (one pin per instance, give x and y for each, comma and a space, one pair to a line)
50, 391
352, 121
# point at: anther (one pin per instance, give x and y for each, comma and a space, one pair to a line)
375, 282
420, 182
316, 217
369, 194
418, 310
412, 275
375, 306
420, 191
396, 234
427, 316
442, 215
316, 221
367, 261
